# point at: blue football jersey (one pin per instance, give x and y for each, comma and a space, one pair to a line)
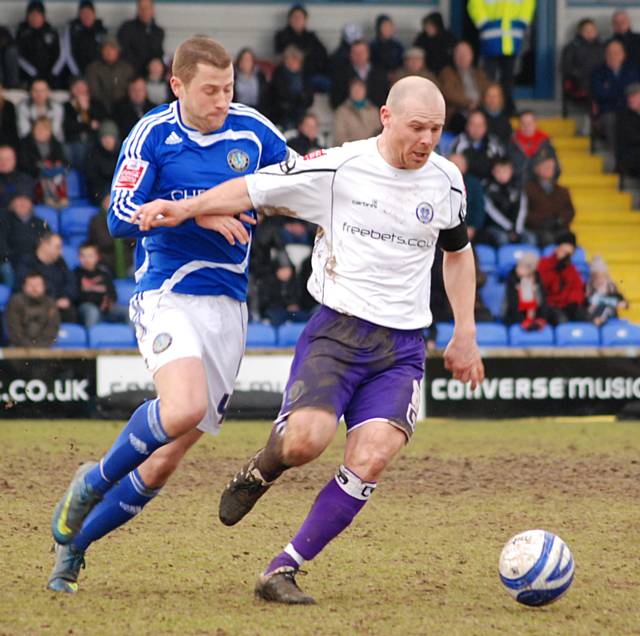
162, 158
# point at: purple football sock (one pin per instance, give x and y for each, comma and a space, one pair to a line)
333, 510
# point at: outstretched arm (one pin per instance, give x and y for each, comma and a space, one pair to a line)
462, 356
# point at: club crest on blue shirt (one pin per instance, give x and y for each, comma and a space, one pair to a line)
238, 160
424, 212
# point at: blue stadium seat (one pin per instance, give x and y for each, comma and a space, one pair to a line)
5, 294
74, 221
486, 256
577, 334
518, 337
289, 332
76, 186
105, 335
620, 333
445, 331
70, 336
125, 288
508, 256
445, 143
491, 334
48, 214
492, 293
70, 256
260, 335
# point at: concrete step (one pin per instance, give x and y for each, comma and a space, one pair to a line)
589, 181
608, 200
553, 126
579, 163
608, 217
633, 313
571, 143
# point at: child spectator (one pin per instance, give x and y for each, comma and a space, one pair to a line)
476, 214
604, 300
96, 294
279, 294
357, 118
506, 207
494, 110
39, 104
158, 90
102, 160
306, 141
32, 316
386, 50
525, 301
528, 141
561, 282
250, 84
42, 156
550, 206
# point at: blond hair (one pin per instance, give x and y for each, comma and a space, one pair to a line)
198, 49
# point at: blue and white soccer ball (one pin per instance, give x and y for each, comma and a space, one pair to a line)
536, 567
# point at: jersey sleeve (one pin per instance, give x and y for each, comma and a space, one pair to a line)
298, 187
454, 237
133, 181
274, 147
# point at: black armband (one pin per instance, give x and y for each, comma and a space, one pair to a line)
453, 239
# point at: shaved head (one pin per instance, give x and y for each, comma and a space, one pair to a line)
412, 122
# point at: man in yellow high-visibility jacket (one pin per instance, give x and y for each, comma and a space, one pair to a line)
502, 25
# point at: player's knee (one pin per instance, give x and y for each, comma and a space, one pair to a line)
368, 465
180, 417
301, 448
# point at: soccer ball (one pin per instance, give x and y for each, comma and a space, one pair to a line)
536, 567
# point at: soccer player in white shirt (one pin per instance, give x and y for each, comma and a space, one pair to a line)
383, 205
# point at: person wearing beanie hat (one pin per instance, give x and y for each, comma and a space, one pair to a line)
562, 283
386, 50
38, 44
525, 301
297, 34
351, 32
604, 299
436, 41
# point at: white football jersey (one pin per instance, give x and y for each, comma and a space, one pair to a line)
379, 226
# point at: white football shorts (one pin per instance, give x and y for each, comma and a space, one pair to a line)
170, 326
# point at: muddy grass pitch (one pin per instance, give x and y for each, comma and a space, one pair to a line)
420, 559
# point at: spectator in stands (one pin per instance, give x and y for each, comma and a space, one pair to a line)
502, 27
250, 84
13, 182
609, 82
279, 293
24, 230
494, 110
604, 299
42, 156
413, 64
33, 319
550, 206
38, 44
102, 160
561, 282
9, 68
40, 104
351, 32
476, 214
158, 89
462, 86
290, 92
528, 142
436, 42
580, 57
82, 116
478, 146
7, 276
622, 33
8, 122
96, 293
109, 76
628, 133
306, 141
116, 254
141, 38
129, 110
524, 295
315, 54
60, 282
506, 206
386, 50
80, 42
359, 66
357, 118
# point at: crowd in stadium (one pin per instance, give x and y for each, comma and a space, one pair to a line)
59, 264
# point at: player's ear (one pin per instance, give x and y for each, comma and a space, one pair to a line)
176, 84
385, 114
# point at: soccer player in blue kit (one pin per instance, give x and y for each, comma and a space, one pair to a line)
189, 309
383, 205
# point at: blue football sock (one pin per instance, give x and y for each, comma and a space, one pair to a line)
121, 504
141, 436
